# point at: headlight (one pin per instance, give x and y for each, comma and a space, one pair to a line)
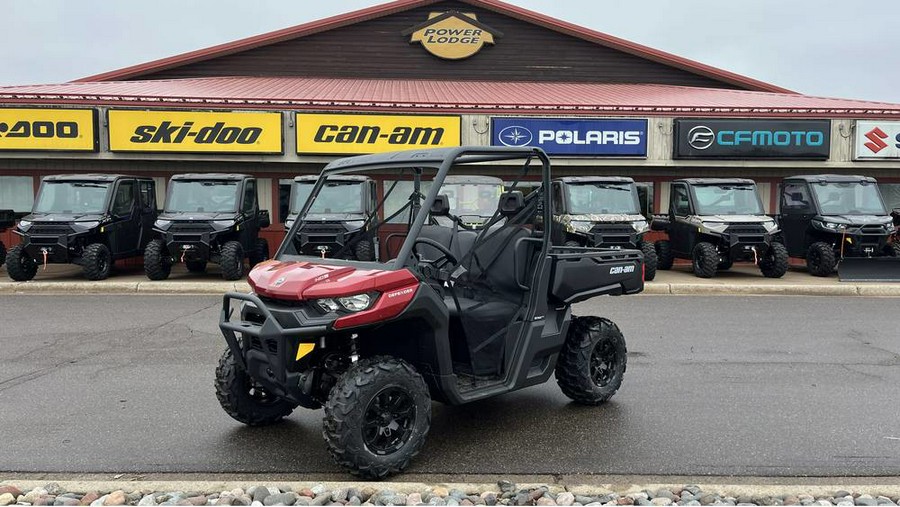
24, 225
352, 225
223, 224
770, 226
581, 226
162, 224
889, 225
355, 303
828, 225
328, 305
718, 227
84, 226
640, 226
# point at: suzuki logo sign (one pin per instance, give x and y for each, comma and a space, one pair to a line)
877, 140
452, 35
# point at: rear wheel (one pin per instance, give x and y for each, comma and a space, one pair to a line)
820, 259
232, 261
592, 362
364, 250
893, 250
2, 253
196, 266
19, 265
157, 261
774, 262
650, 260
96, 261
706, 260
664, 255
260, 252
377, 417
243, 399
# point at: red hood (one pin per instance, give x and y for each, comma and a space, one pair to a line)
307, 280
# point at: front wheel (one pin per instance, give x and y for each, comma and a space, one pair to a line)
820, 259
592, 362
892, 250
774, 262
650, 260
232, 261
377, 417
96, 261
157, 261
706, 260
243, 399
260, 252
664, 255
364, 250
19, 265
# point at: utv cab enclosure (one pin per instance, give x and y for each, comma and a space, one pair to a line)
85, 219
7, 220
472, 199
208, 218
829, 219
603, 212
717, 221
376, 342
340, 224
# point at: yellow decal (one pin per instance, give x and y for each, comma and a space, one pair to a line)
365, 133
48, 129
304, 349
195, 132
452, 35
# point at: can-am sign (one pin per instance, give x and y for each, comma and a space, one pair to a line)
573, 136
369, 133
877, 140
750, 139
452, 35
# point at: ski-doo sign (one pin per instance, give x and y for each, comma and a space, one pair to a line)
452, 35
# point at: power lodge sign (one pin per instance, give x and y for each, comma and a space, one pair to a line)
452, 35
194, 132
368, 133
48, 129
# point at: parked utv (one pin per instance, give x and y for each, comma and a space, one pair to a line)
90, 220
715, 222
375, 342
472, 199
7, 221
341, 223
602, 212
208, 218
835, 220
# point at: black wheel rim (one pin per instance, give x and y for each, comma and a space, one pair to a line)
603, 363
814, 260
103, 264
389, 420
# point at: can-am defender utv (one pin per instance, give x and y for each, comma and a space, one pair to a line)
90, 220
717, 221
836, 220
208, 218
341, 223
7, 221
375, 342
602, 212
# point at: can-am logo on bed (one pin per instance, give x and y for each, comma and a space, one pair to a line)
877, 140
452, 35
573, 136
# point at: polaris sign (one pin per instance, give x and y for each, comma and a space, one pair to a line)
752, 139
623, 138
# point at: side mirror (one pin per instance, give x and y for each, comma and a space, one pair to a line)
441, 206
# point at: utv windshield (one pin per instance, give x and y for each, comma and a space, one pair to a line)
339, 197
472, 199
603, 199
852, 198
72, 197
727, 200
202, 197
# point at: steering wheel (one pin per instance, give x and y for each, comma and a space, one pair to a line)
440, 262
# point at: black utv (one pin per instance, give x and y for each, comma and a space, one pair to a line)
602, 212
90, 220
472, 199
832, 220
208, 218
341, 223
7, 221
717, 221
375, 342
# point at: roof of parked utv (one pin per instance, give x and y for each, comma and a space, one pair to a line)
832, 178
104, 178
471, 179
595, 179
211, 177
715, 181
310, 178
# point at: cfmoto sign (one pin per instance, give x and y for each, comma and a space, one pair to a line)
739, 139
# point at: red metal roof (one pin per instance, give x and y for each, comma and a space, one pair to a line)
389, 8
485, 97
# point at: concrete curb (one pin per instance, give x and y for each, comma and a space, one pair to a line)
113, 287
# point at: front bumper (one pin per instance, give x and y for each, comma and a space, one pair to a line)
616, 236
56, 248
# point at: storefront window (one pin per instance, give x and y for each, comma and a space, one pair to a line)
891, 194
17, 193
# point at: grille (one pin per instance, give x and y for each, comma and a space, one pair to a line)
56, 230
311, 228
605, 229
747, 229
198, 227
188, 238
872, 229
43, 241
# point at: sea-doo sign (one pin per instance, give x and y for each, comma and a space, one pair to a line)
38, 129
452, 35
573, 136
752, 139
194, 132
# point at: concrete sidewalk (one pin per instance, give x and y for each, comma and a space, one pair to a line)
740, 280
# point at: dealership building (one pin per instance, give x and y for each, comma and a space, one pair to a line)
430, 73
